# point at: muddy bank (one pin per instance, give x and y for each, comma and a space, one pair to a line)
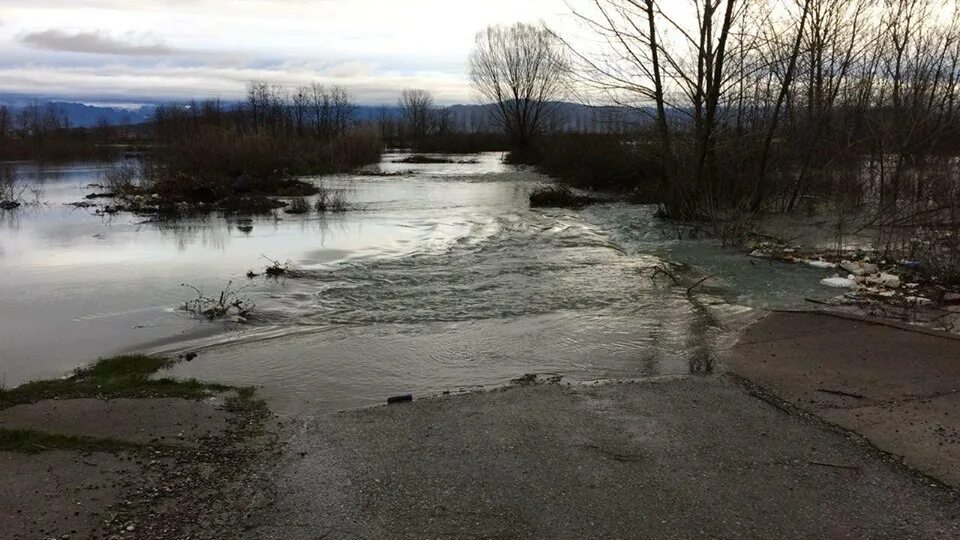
822, 427
896, 385
110, 453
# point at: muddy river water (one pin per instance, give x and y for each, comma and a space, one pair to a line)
438, 280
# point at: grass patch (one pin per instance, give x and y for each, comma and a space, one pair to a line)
29, 441
125, 376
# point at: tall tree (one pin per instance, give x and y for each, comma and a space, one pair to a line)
522, 70
417, 108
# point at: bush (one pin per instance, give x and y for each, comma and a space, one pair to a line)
11, 190
463, 143
228, 302
123, 178
557, 196
298, 205
938, 254
596, 161
210, 164
330, 200
419, 159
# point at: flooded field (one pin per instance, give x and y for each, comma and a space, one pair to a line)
437, 280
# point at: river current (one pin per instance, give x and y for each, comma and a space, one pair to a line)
438, 279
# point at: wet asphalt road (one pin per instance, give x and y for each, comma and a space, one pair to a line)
684, 458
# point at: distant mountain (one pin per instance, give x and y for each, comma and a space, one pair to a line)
81, 114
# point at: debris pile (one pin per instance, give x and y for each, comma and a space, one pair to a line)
869, 278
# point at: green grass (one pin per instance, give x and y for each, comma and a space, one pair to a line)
126, 366
29, 441
126, 376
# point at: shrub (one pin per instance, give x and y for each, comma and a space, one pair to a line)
421, 159
938, 254
228, 302
206, 164
557, 196
298, 205
123, 178
596, 161
11, 190
462, 143
330, 200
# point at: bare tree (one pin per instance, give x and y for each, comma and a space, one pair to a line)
442, 121
343, 109
417, 108
386, 125
687, 66
266, 106
6, 122
522, 69
103, 128
320, 109
300, 101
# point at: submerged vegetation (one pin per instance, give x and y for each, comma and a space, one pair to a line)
242, 159
557, 196
11, 190
759, 108
332, 201
228, 303
424, 159
298, 205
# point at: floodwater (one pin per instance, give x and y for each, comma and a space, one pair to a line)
442, 279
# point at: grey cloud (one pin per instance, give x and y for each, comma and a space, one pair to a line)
92, 43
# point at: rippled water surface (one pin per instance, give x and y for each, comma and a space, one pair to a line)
440, 279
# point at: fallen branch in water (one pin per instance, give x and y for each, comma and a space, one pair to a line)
657, 270
276, 268
228, 303
697, 284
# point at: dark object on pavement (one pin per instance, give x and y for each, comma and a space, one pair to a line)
406, 398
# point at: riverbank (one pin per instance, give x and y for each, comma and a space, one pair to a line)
821, 426
893, 384
113, 452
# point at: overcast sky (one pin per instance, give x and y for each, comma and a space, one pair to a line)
132, 50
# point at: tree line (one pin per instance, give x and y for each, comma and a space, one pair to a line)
759, 105
43, 130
